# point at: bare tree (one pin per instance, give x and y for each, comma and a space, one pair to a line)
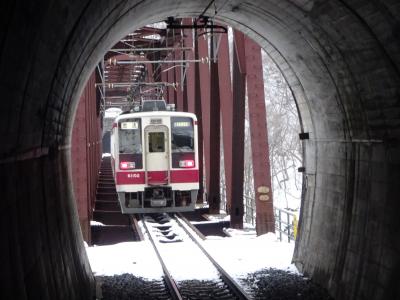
284, 144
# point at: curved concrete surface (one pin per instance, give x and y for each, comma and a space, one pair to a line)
342, 61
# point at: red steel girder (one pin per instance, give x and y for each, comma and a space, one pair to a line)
79, 159
190, 71
204, 82
259, 138
172, 67
225, 92
198, 112
187, 42
120, 45
142, 38
164, 78
149, 73
179, 88
239, 89
171, 79
213, 187
85, 154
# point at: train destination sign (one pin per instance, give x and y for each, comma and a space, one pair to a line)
129, 125
182, 124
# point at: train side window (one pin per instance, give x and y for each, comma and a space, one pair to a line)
156, 142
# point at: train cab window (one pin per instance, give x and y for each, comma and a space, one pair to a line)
182, 134
156, 142
182, 142
129, 135
154, 105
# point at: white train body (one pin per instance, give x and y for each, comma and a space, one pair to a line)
155, 161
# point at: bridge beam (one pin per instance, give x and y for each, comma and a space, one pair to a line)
86, 154
259, 138
215, 143
199, 114
225, 92
238, 109
189, 100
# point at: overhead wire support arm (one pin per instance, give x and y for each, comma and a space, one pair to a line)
138, 62
125, 84
202, 22
151, 49
199, 26
206, 24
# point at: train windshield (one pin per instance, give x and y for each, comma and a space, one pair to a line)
154, 105
182, 134
129, 134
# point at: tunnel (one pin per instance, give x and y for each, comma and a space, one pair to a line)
341, 59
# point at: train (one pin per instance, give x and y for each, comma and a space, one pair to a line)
154, 158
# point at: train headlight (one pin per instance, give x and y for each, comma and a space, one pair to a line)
186, 163
126, 165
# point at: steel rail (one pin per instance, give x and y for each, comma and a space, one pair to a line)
168, 278
228, 280
136, 228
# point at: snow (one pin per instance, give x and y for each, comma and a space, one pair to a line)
112, 112
177, 256
239, 255
218, 217
136, 258
96, 223
246, 253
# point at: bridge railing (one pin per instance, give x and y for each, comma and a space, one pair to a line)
285, 221
249, 209
285, 224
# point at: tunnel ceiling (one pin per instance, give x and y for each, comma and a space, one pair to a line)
341, 60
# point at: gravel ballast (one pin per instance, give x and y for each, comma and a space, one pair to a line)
271, 284
274, 284
130, 287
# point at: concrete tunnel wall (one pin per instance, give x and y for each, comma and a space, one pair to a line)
341, 60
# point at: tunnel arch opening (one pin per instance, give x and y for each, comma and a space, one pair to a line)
342, 69
279, 59
307, 61
292, 218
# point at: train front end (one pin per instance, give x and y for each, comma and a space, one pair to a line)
155, 161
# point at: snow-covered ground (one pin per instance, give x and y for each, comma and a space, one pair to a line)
240, 254
136, 258
245, 253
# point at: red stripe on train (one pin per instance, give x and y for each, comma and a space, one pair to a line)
184, 176
130, 178
157, 177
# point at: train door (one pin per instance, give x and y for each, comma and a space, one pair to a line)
157, 155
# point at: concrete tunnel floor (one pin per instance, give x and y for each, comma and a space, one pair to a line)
341, 60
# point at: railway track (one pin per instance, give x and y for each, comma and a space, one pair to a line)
174, 237
112, 226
